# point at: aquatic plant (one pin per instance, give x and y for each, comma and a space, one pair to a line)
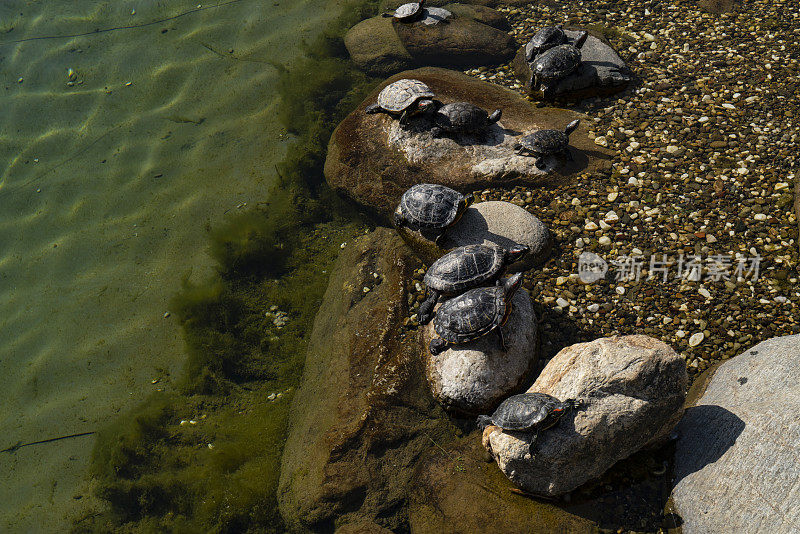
206, 458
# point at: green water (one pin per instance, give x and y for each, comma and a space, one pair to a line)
150, 194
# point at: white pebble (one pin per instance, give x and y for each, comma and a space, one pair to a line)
594, 308
613, 196
703, 291
605, 240
696, 339
620, 290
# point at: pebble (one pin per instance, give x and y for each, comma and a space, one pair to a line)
604, 240
696, 339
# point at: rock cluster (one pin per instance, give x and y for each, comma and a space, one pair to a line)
373, 160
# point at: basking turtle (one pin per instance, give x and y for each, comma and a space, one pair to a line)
465, 268
543, 143
474, 314
528, 412
403, 98
409, 12
431, 209
462, 117
544, 40
556, 64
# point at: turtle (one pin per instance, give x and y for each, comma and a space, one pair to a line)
555, 64
474, 314
465, 268
543, 143
528, 412
403, 99
544, 40
409, 12
462, 117
431, 209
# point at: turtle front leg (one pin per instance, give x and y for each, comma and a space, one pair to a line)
541, 164
503, 345
425, 312
534, 438
404, 117
567, 154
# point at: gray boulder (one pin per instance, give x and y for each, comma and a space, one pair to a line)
736, 460
474, 377
472, 36
633, 388
501, 223
602, 71
373, 160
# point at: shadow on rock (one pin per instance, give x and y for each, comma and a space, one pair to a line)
709, 431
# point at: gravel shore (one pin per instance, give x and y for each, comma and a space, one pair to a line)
705, 153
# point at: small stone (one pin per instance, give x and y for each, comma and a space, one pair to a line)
604, 240
594, 308
613, 196
696, 339
703, 291
590, 226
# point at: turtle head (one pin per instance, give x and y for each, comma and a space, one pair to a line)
437, 345
426, 105
511, 285
516, 253
581, 40
571, 127
467, 202
573, 404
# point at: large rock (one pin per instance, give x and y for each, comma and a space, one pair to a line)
391, 5
633, 387
501, 223
602, 71
373, 160
736, 461
473, 378
472, 36
363, 413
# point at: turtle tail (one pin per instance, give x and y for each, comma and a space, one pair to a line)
494, 117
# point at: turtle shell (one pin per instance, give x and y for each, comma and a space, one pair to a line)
545, 39
558, 62
471, 315
465, 267
461, 117
545, 142
430, 206
526, 411
407, 11
402, 94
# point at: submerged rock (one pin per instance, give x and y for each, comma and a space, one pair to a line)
455, 491
363, 414
474, 377
373, 160
736, 461
602, 72
633, 388
470, 37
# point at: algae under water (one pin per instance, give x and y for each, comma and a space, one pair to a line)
206, 457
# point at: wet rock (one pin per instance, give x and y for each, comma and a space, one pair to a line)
382, 46
633, 387
474, 377
373, 160
736, 466
363, 413
602, 71
455, 490
391, 5
498, 222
